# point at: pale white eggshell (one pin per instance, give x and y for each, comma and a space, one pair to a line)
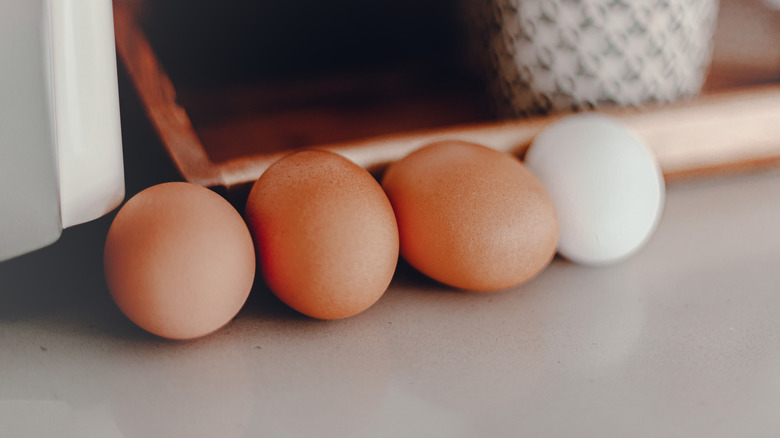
606, 184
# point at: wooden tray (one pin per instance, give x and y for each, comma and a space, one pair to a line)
224, 135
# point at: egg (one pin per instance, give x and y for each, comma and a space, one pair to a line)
324, 232
606, 184
179, 260
471, 217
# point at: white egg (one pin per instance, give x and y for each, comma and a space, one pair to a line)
606, 185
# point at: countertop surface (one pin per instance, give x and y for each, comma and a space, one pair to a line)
683, 340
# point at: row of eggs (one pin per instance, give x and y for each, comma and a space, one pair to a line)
180, 261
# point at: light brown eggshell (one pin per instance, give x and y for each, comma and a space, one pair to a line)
324, 232
471, 217
179, 260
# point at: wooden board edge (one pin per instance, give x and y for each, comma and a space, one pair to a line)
158, 95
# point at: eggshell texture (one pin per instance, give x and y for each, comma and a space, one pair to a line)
324, 232
606, 184
471, 217
179, 260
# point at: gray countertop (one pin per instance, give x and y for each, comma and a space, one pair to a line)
683, 339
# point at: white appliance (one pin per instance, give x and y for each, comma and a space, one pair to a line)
60, 144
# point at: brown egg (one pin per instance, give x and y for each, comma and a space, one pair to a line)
179, 260
324, 232
471, 217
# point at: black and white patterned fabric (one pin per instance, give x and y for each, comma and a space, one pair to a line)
560, 55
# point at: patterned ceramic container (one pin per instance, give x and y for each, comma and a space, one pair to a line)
561, 55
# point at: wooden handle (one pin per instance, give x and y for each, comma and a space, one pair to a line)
734, 131
738, 130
